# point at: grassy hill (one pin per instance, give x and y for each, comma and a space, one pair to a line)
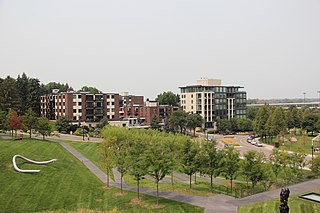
65, 185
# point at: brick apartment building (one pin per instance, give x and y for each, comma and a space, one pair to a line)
88, 107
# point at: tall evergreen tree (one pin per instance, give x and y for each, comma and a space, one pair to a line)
34, 95
23, 90
9, 96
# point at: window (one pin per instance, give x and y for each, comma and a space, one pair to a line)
79, 103
74, 103
74, 96
79, 110
74, 111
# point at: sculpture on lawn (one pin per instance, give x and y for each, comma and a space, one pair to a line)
284, 195
30, 161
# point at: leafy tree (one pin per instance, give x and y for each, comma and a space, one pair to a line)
277, 122
194, 121
188, 159
9, 96
54, 85
23, 90
63, 124
260, 122
244, 124
43, 126
178, 120
309, 122
253, 166
294, 117
30, 120
14, 121
223, 125
252, 113
89, 89
138, 164
159, 158
212, 163
168, 98
105, 152
267, 176
276, 161
296, 161
231, 164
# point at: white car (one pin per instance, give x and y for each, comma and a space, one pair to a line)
258, 144
253, 142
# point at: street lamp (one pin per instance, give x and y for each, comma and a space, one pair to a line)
304, 97
319, 98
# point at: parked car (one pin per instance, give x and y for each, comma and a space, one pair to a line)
258, 144
253, 142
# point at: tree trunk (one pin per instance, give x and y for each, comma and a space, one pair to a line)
211, 182
121, 176
194, 132
157, 192
43, 136
190, 180
231, 184
138, 189
107, 178
195, 178
172, 180
30, 134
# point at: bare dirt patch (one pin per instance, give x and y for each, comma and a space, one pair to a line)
157, 206
119, 194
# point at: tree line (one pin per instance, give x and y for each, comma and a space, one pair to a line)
159, 154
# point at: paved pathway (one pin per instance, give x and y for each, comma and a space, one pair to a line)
216, 203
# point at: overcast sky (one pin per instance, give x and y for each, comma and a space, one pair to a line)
145, 47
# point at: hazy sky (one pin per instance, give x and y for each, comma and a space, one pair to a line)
145, 47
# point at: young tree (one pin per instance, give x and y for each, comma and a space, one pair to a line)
159, 158
315, 167
231, 163
276, 162
105, 152
43, 126
30, 120
212, 161
188, 159
253, 166
138, 164
309, 122
14, 121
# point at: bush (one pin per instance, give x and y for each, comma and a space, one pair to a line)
212, 131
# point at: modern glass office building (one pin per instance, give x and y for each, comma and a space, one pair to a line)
213, 101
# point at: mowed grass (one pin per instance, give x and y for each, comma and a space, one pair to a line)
296, 205
65, 185
202, 188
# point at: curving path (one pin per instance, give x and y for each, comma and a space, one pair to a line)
217, 203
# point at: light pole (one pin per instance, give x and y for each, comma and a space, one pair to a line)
304, 97
319, 98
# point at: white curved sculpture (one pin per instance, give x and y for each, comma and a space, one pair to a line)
31, 161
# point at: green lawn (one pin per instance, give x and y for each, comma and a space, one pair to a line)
64, 185
302, 145
202, 188
296, 205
